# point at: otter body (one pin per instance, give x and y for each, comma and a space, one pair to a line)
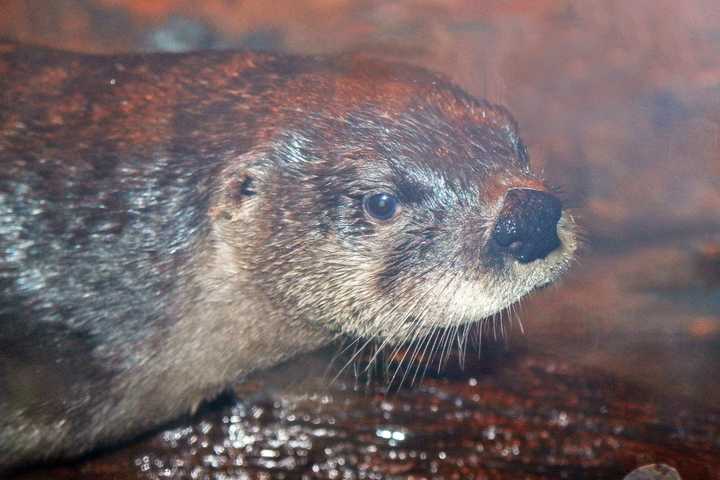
171, 222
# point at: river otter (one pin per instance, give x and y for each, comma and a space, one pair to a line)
172, 222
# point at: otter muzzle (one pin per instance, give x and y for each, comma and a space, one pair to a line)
526, 228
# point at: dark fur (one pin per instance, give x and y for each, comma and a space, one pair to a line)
164, 217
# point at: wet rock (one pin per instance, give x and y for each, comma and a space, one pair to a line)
656, 471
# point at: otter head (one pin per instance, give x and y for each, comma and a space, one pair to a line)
387, 207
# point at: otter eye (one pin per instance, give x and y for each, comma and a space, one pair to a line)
381, 206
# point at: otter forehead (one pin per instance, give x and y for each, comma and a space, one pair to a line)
411, 151
423, 142
401, 112
422, 139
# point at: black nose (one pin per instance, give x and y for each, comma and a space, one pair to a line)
527, 225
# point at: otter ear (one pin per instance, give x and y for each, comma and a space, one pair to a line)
239, 189
243, 187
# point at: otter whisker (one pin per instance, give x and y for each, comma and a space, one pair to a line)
519, 316
462, 339
370, 339
416, 338
463, 343
414, 346
504, 320
418, 343
437, 338
441, 294
446, 347
352, 359
428, 360
410, 307
417, 351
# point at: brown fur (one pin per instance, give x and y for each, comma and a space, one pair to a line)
170, 223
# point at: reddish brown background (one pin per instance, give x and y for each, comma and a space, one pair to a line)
619, 103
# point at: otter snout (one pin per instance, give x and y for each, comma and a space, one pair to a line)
526, 228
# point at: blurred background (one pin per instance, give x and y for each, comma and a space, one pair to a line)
618, 365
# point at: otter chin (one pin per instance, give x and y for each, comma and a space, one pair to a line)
170, 223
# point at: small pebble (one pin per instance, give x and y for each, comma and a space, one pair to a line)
654, 471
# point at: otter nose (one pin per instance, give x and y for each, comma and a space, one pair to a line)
527, 225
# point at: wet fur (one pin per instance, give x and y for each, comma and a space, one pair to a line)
170, 223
